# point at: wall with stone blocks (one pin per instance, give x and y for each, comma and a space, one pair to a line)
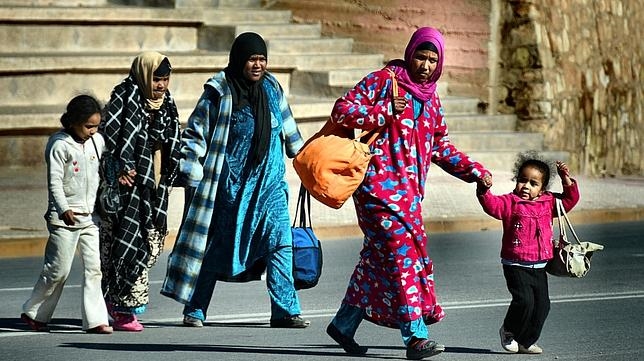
572, 69
385, 26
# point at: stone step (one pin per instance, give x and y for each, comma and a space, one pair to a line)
241, 4
310, 112
164, 37
332, 82
82, 38
118, 62
27, 151
232, 16
122, 15
328, 62
481, 122
310, 46
282, 31
505, 144
328, 82
220, 37
464, 126
463, 110
50, 3
43, 118
455, 105
498, 140
503, 161
57, 88
56, 62
55, 78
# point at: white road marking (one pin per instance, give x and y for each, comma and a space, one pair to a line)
322, 313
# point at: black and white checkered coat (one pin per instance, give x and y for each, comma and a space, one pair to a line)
132, 133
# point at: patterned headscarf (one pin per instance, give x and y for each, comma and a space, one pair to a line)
142, 70
422, 91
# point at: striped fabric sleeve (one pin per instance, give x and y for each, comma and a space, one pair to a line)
194, 144
292, 137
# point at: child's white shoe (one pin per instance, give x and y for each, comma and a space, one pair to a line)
533, 349
507, 341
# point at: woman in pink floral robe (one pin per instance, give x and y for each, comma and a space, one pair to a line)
393, 283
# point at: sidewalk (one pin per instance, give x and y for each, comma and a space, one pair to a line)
449, 206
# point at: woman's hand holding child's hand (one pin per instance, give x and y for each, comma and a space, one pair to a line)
483, 184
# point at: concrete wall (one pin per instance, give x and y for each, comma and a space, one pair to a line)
572, 69
384, 26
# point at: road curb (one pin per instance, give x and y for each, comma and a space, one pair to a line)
33, 245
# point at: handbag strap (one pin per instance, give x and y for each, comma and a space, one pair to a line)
394, 93
95, 148
565, 222
394, 83
303, 209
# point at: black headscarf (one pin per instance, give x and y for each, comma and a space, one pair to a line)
245, 92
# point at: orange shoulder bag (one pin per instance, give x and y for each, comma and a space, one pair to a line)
332, 164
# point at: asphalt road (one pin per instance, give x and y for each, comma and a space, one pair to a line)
599, 317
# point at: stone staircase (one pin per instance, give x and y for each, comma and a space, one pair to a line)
51, 54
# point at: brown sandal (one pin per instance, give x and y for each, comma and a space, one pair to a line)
101, 330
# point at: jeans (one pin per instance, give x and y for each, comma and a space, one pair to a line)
348, 318
279, 281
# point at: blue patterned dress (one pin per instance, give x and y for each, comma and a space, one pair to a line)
238, 220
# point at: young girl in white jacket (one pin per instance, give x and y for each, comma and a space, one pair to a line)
72, 157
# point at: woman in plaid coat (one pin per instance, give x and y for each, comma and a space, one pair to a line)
236, 222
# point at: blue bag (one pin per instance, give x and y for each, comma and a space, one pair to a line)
307, 250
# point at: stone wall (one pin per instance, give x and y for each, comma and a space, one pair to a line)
572, 69
384, 26
53, 2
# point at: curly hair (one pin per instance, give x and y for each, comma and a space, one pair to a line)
79, 110
533, 159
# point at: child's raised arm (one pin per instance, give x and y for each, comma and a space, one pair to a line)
564, 173
570, 190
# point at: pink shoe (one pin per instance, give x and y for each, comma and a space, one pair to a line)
126, 322
33, 324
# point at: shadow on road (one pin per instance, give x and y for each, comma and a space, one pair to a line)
307, 350
259, 349
211, 324
56, 324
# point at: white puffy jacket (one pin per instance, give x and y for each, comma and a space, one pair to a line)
72, 177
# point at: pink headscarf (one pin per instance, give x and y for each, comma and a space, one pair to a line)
422, 91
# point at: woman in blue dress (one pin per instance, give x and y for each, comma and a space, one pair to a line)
236, 222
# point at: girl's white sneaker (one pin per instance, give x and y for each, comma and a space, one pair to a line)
507, 341
533, 349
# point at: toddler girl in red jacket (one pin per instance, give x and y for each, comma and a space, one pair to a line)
526, 247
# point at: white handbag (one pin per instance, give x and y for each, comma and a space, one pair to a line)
571, 259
